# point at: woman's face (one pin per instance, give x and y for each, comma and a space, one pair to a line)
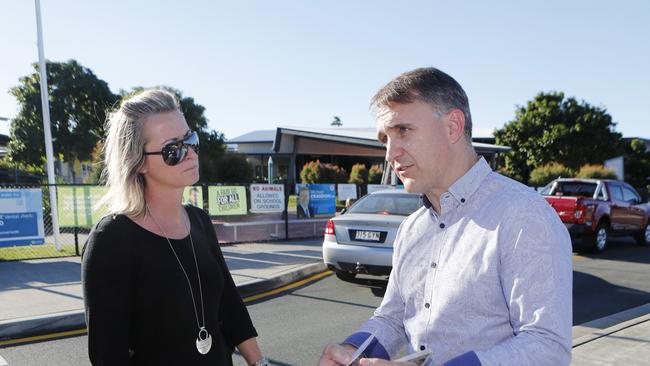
159, 130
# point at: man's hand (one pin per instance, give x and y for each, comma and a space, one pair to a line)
380, 362
341, 354
337, 355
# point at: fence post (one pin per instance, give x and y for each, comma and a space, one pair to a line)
76, 240
286, 211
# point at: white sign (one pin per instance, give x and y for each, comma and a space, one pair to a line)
347, 191
21, 217
378, 187
616, 164
267, 198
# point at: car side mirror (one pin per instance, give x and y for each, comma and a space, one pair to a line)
344, 210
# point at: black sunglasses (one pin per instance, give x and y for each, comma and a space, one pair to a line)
176, 151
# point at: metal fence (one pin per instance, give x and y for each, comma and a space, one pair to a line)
33, 199
76, 215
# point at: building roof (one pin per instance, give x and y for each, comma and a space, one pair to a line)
356, 136
4, 139
258, 136
363, 136
482, 133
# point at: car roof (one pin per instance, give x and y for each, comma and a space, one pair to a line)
394, 191
585, 180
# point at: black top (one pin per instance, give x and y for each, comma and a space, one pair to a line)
138, 305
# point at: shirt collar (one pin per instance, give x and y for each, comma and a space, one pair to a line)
466, 185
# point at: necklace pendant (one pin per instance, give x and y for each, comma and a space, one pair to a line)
203, 341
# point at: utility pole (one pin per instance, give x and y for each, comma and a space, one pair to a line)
49, 151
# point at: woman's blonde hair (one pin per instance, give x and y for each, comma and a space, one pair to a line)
124, 150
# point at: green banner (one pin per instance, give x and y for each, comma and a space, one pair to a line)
227, 200
76, 205
292, 204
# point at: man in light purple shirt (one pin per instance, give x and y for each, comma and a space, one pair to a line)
482, 274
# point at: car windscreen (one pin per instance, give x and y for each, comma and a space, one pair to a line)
574, 189
387, 204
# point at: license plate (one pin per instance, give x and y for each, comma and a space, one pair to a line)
367, 235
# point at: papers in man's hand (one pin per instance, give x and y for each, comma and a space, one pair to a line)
362, 348
417, 358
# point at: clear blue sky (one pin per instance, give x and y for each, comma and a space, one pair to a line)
262, 64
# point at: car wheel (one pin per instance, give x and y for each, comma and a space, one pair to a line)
643, 238
345, 276
600, 237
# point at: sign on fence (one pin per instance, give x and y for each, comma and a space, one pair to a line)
347, 191
227, 200
315, 199
193, 196
267, 198
379, 187
21, 217
77, 205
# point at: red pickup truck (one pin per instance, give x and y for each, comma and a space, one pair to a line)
599, 208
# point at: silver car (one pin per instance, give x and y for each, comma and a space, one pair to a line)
361, 239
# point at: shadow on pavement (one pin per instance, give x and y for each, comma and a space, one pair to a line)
376, 285
27, 274
618, 248
594, 298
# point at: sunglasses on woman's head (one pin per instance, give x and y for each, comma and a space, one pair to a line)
176, 151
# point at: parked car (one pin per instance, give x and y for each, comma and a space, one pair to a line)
599, 208
361, 239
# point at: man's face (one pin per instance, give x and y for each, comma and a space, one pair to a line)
304, 197
417, 144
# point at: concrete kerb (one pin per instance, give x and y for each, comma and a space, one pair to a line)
75, 319
255, 287
590, 331
43, 324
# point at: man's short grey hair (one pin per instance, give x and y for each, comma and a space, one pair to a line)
124, 150
428, 85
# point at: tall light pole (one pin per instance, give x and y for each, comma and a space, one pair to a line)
46, 128
270, 166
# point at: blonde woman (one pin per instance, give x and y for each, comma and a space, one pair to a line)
156, 286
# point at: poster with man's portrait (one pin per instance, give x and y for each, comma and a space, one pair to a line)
193, 196
315, 199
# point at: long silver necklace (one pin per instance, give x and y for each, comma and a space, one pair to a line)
204, 339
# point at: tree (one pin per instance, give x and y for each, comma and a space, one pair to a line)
358, 174
336, 122
545, 174
317, 172
636, 162
375, 173
78, 100
20, 173
233, 168
97, 157
590, 171
554, 128
212, 145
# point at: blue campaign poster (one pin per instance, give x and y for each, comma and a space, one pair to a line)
21, 217
322, 198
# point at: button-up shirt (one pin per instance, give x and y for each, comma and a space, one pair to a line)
487, 281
